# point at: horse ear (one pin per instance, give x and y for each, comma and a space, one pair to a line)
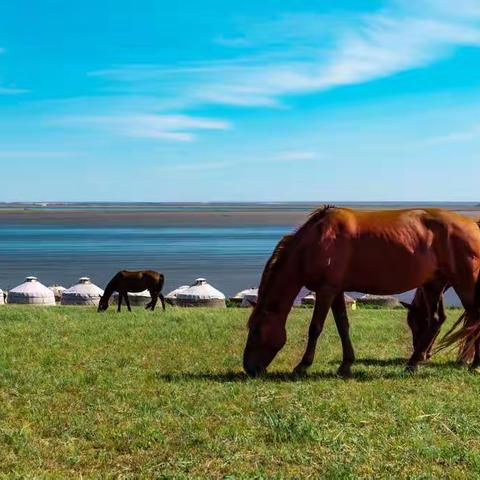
252, 303
408, 306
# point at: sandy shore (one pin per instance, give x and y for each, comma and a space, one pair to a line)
106, 218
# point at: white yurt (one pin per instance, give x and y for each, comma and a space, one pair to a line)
2, 298
136, 299
200, 294
385, 301
31, 292
237, 298
57, 291
171, 297
310, 300
250, 297
82, 293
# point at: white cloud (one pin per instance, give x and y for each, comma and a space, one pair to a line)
306, 53
167, 127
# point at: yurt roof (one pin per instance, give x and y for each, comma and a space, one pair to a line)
301, 294
200, 290
174, 293
248, 291
348, 298
57, 288
32, 288
84, 288
252, 296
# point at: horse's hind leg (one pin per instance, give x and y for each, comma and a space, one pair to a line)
127, 301
339, 309
432, 293
323, 303
162, 299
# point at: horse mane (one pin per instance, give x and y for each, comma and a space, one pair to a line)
280, 253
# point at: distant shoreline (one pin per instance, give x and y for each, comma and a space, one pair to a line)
211, 214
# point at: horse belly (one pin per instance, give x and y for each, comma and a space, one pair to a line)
390, 269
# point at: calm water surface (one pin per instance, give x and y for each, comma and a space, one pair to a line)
230, 257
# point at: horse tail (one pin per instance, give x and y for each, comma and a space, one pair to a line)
161, 282
466, 335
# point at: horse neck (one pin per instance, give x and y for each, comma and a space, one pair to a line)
282, 290
109, 289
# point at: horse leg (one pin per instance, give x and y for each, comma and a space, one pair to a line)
127, 301
323, 303
154, 303
432, 293
162, 299
441, 316
339, 309
119, 304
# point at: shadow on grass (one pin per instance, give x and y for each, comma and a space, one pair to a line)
283, 377
400, 361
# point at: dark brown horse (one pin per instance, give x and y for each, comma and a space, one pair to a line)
124, 282
376, 252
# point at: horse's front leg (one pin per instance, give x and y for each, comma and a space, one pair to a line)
119, 301
323, 303
154, 301
339, 309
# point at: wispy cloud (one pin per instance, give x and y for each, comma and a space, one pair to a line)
167, 127
295, 156
460, 136
250, 159
311, 53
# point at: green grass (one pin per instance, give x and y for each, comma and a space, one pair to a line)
163, 395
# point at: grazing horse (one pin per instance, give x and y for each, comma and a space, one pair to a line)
125, 281
376, 252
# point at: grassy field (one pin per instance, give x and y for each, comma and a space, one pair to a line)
163, 395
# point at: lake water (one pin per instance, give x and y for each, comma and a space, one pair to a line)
227, 244
232, 258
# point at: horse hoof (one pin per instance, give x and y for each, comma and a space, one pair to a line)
475, 369
411, 369
300, 370
344, 372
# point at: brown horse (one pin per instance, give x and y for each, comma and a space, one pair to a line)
125, 281
379, 252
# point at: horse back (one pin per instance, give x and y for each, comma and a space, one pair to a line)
389, 251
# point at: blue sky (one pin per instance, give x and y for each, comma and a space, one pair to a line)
216, 100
